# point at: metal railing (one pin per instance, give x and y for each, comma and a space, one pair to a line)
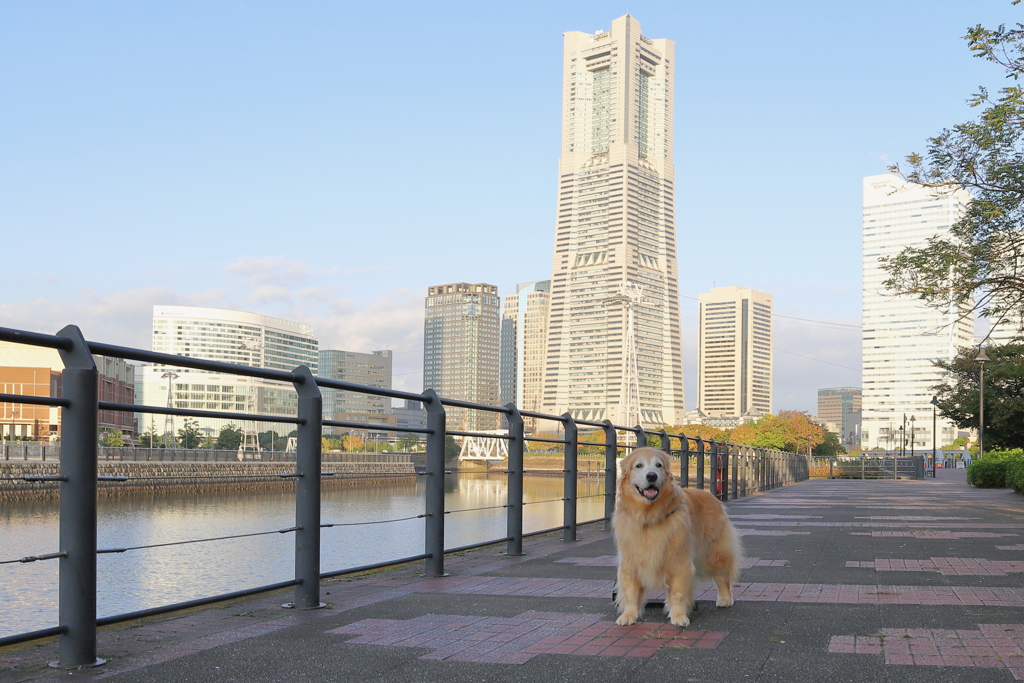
727, 470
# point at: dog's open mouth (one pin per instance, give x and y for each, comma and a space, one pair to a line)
650, 493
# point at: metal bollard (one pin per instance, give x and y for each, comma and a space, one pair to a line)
569, 485
307, 492
514, 530
78, 467
610, 472
433, 541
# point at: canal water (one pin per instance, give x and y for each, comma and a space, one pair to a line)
141, 579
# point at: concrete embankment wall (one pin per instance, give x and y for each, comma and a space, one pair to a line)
149, 478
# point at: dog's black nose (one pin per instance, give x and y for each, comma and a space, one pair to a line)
652, 477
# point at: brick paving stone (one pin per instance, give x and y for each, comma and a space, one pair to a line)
470, 639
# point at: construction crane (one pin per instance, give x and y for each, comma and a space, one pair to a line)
630, 295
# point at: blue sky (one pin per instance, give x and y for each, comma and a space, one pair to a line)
326, 162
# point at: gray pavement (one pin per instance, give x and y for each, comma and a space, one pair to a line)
845, 581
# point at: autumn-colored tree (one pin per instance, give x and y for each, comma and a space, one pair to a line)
351, 442
703, 431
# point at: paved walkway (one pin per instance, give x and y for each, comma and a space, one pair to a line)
844, 581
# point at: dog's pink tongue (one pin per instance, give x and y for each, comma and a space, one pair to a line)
650, 493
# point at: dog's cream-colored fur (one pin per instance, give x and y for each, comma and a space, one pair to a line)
670, 541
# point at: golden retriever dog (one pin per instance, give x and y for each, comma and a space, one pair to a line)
667, 537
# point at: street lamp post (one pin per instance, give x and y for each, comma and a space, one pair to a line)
899, 453
913, 434
935, 403
982, 357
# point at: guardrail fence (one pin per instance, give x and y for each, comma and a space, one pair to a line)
727, 470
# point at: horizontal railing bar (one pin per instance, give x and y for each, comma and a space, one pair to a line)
455, 403
479, 434
376, 391
163, 609
35, 400
158, 410
474, 546
537, 438
376, 565
553, 500
542, 416
193, 363
376, 428
50, 341
33, 635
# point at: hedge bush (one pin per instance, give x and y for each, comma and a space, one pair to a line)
1015, 472
991, 472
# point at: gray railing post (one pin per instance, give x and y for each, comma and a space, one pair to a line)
666, 447
78, 466
514, 530
611, 449
700, 463
725, 455
737, 454
433, 541
713, 485
309, 434
641, 436
684, 460
569, 482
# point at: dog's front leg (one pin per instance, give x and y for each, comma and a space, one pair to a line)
629, 599
680, 594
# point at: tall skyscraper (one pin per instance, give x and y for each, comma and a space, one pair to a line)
840, 406
901, 335
460, 350
734, 353
368, 369
524, 323
615, 234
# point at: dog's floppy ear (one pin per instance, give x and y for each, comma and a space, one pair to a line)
666, 462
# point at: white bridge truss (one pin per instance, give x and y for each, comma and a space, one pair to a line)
484, 449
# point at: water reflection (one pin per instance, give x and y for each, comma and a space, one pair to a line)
156, 576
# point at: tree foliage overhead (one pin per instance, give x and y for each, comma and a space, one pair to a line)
979, 265
1004, 401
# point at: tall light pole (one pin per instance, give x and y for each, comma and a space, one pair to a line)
935, 404
982, 357
913, 434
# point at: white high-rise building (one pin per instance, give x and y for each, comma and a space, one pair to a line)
236, 337
734, 353
901, 335
615, 233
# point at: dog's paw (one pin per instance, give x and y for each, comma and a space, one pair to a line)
626, 620
679, 620
724, 602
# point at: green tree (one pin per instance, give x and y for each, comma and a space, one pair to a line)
979, 265
229, 438
408, 442
114, 438
190, 436
1004, 402
830, 447
150, 438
